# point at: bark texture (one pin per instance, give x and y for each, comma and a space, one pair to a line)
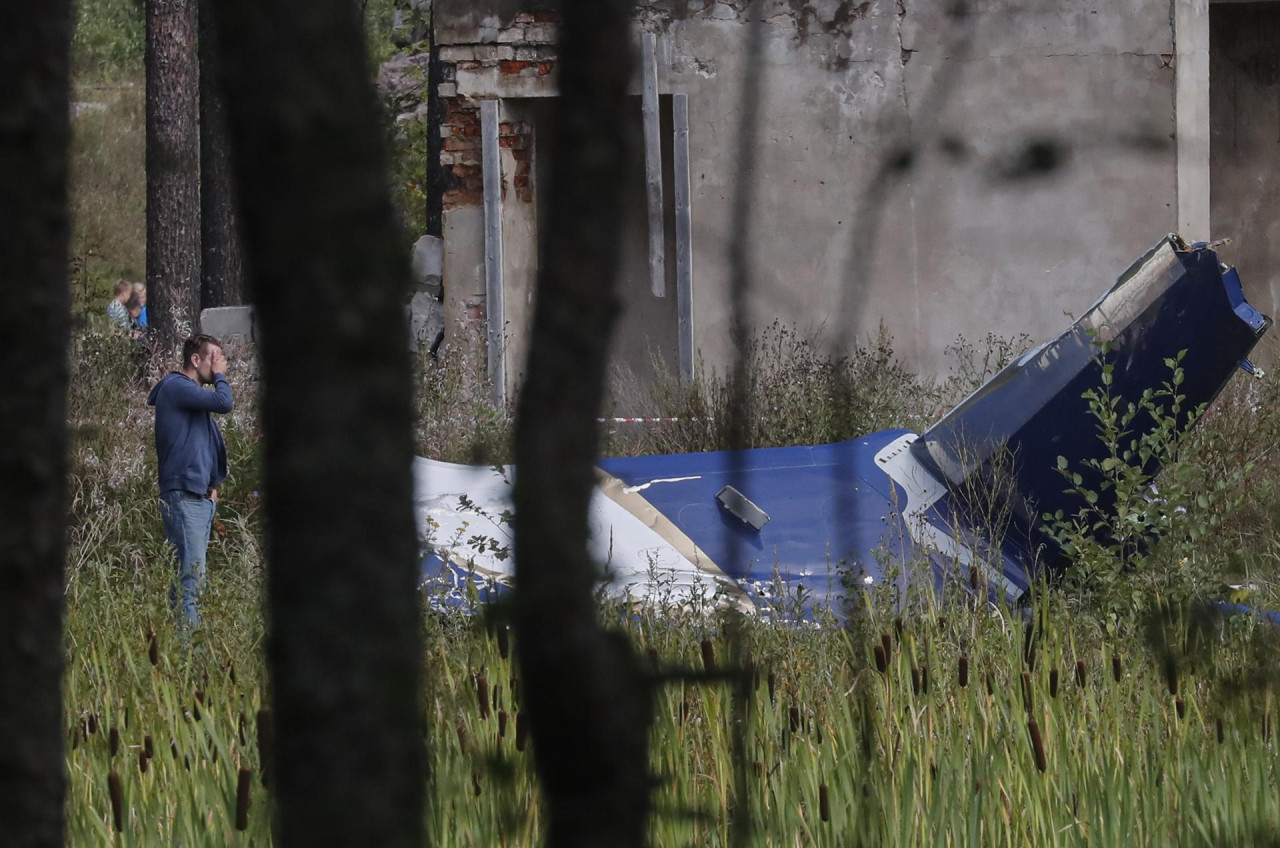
589, 703
222, 256
330, 280
34, 133
173, 171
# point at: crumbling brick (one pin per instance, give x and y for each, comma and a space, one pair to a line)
512, 66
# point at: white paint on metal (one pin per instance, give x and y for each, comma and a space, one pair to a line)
630, 489
923, 491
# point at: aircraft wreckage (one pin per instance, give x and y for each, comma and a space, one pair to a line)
764, 528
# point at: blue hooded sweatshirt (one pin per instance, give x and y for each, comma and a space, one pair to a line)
192, 456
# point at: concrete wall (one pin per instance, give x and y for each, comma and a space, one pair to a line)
1244, 79
943, 174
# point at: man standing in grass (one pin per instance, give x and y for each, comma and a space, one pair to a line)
192, 461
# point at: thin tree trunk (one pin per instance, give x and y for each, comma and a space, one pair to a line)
589, 703
330, 281
34, 133
173, 169
222, 256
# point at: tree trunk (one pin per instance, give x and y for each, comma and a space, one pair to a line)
589, 703
34, 228
173, 168
222, 256
330, 282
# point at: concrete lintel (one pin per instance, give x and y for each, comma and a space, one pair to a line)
494, 320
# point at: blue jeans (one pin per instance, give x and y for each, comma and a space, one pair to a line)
187, 521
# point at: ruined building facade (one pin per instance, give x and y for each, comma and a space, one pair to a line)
937, 167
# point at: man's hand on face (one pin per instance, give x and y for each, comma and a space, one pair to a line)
219, 362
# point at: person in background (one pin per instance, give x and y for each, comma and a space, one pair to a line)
117, 309
138, 307
192, 463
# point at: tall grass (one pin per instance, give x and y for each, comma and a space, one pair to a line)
841, 752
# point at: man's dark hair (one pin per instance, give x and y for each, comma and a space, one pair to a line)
197, 346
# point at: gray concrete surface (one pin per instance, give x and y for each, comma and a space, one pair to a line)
1245, 172
228, 323
1037, 139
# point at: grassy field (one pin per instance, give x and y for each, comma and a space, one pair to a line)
955, 724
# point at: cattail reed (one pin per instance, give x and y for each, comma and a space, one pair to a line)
504, 641
148, 747
113, 741
708, 655
1037, 745
1053, 682
1028, 702
924, 680
482, 694
266, 743
882, 661
793, 716
173, 749
973, 578
1266, 727
240, 734
1080, 677
496, 699
153, 649
242, 799
522, 731
887, 643
962, 670
684, 711
772, 683
195, 705
824, 803
475, 783
515, 690
92, 723
117, 800
1222, 732
1180, 707
464, 738
1117, 670
1029, 645
915, 681
897, 628
1171, 677
143, 760
502, 724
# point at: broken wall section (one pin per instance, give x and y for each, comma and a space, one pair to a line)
940, 169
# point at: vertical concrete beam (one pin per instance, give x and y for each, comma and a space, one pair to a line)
494, 319
653, 163
1191, 106
684, 235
